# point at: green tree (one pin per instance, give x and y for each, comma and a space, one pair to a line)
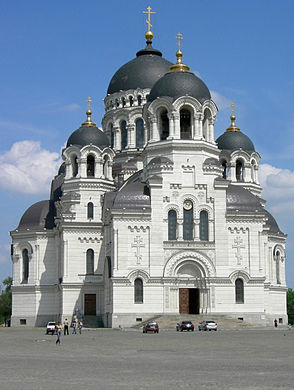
6, 301
290, 306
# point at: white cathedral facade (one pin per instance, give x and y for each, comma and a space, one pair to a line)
151, 215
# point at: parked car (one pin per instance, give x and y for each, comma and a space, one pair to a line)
207, 325
151, 327
185, 325
50, 327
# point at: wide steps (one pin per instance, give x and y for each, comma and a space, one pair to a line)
170, 321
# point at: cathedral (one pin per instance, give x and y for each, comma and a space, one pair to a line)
151, 215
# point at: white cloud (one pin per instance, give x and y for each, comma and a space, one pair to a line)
277, 183
221, 101
27, 168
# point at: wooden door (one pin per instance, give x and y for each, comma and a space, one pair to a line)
90, 305
184, 300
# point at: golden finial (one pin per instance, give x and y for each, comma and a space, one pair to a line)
89, 122
233, 126
149, 34
179, 66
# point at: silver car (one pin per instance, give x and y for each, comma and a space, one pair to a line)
207, 325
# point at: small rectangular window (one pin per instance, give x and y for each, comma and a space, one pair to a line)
280, 320
138, 319
22, 321
240, 318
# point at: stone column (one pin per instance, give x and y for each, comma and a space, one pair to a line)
198, 126
171, 126
196, 229
232, 171
180, 229
98, 167
83, 167
154, 131
68, 169
131, 137
177, 126
211, 129
117, 138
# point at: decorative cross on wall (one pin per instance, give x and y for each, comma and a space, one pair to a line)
138, 243
238, 241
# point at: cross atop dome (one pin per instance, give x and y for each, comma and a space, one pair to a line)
179, 66
149, 34
89, 122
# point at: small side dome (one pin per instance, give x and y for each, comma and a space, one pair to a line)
272, 224
240, 199
234, 139
38, 217
212, 161
179, 82
159, 160
88, 134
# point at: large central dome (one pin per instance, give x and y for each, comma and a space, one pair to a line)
141, 72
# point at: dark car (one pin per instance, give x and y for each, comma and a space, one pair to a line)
185, 325
207, 325
151, 327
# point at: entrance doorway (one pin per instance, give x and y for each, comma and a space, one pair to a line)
189, 300
90, 305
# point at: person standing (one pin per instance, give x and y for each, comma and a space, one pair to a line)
80, 326
74, 327
58, 332
65, 326
276, 323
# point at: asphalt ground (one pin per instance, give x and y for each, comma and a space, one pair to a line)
129, 359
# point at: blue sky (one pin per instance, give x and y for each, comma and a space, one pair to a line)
55, 54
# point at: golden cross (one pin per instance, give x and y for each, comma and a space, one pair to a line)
149, 12
179, 37
233, 107
89, 103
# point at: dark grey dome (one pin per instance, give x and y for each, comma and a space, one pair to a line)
87, 135
272, 223
133, 195
212, 161
176, 84
141, 72
160, 160
234, 140
238, 198
39, 216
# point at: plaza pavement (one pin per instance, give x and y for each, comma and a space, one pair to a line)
128, 359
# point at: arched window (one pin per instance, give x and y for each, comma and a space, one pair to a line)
139, 100
123, 102
138, 290
225, 169
124, 134
164, 125
90, 213
278, 259
239, 170
185, 124
90, 262
75, 166
131, 101
90, 165
239, 291
188, 220
172, 225
25, 266
116, 102
203, 227
139, 133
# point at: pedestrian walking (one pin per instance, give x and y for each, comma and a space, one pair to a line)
276, 323
80, 326
74, 327
58, 332
66, 326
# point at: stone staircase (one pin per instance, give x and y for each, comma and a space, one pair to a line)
170, 321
